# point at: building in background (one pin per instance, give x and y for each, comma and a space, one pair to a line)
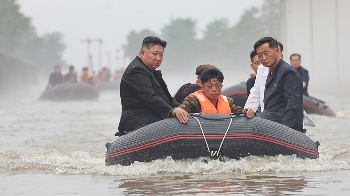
320, 32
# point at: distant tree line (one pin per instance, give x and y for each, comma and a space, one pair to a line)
221, 44
19, 39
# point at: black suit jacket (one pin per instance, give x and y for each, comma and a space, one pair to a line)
250, 84
283, 97
144, 97
305, 77
186, 90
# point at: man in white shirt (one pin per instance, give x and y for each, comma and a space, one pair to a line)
256, 96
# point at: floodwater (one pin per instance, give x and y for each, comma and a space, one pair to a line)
57, 148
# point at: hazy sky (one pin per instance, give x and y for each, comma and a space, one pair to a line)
112, 20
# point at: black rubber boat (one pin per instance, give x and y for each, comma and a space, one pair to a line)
108, 86
311, 105
209, 136
316, 106
71, 91
238, 93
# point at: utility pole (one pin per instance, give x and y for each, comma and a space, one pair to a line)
100, 42
89, 56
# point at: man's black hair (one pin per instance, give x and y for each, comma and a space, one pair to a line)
85, 68
151, 41
209, 74
252, 55
272, 42
281, 46
295, 54
71, 67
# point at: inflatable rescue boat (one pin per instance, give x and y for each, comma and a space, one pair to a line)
210, 135
71, 91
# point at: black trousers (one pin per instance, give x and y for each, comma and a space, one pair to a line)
132, 124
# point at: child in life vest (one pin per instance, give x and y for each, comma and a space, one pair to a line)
209, 100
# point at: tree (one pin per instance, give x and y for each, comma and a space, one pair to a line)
244, 34
254, 24
222, 45
51, 51
182, 47
15, 29
214, 47
271, 18
19, 39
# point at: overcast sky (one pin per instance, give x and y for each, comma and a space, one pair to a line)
112, 20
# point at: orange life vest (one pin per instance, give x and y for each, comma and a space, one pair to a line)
88, 78
223, 107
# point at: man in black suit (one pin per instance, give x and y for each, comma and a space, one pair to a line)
144, 94
295, 60
283, 96
55, 77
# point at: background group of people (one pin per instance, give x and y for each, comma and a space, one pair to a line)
145, 97
85, 76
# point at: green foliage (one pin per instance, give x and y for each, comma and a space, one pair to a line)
182, 44
271, 18
52, 50
244, 34
19, 39
222, 45
215, 47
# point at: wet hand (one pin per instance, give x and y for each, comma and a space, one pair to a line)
180, 114
249, 112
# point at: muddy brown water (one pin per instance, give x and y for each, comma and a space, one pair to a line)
57, 148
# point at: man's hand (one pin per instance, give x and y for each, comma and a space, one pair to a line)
304, 84
180, 114
249, 112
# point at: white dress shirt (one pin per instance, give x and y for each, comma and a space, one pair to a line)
256, 96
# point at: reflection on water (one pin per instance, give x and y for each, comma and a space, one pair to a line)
46, 145
212, 184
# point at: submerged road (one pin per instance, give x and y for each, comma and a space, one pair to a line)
51, 148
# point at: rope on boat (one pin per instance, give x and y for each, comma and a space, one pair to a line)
213, 153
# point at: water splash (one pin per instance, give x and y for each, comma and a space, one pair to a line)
78, 163
343, 114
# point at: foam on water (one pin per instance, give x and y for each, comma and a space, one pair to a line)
79, 162
47, 143
343, 114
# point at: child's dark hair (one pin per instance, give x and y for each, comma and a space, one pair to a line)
209, 74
